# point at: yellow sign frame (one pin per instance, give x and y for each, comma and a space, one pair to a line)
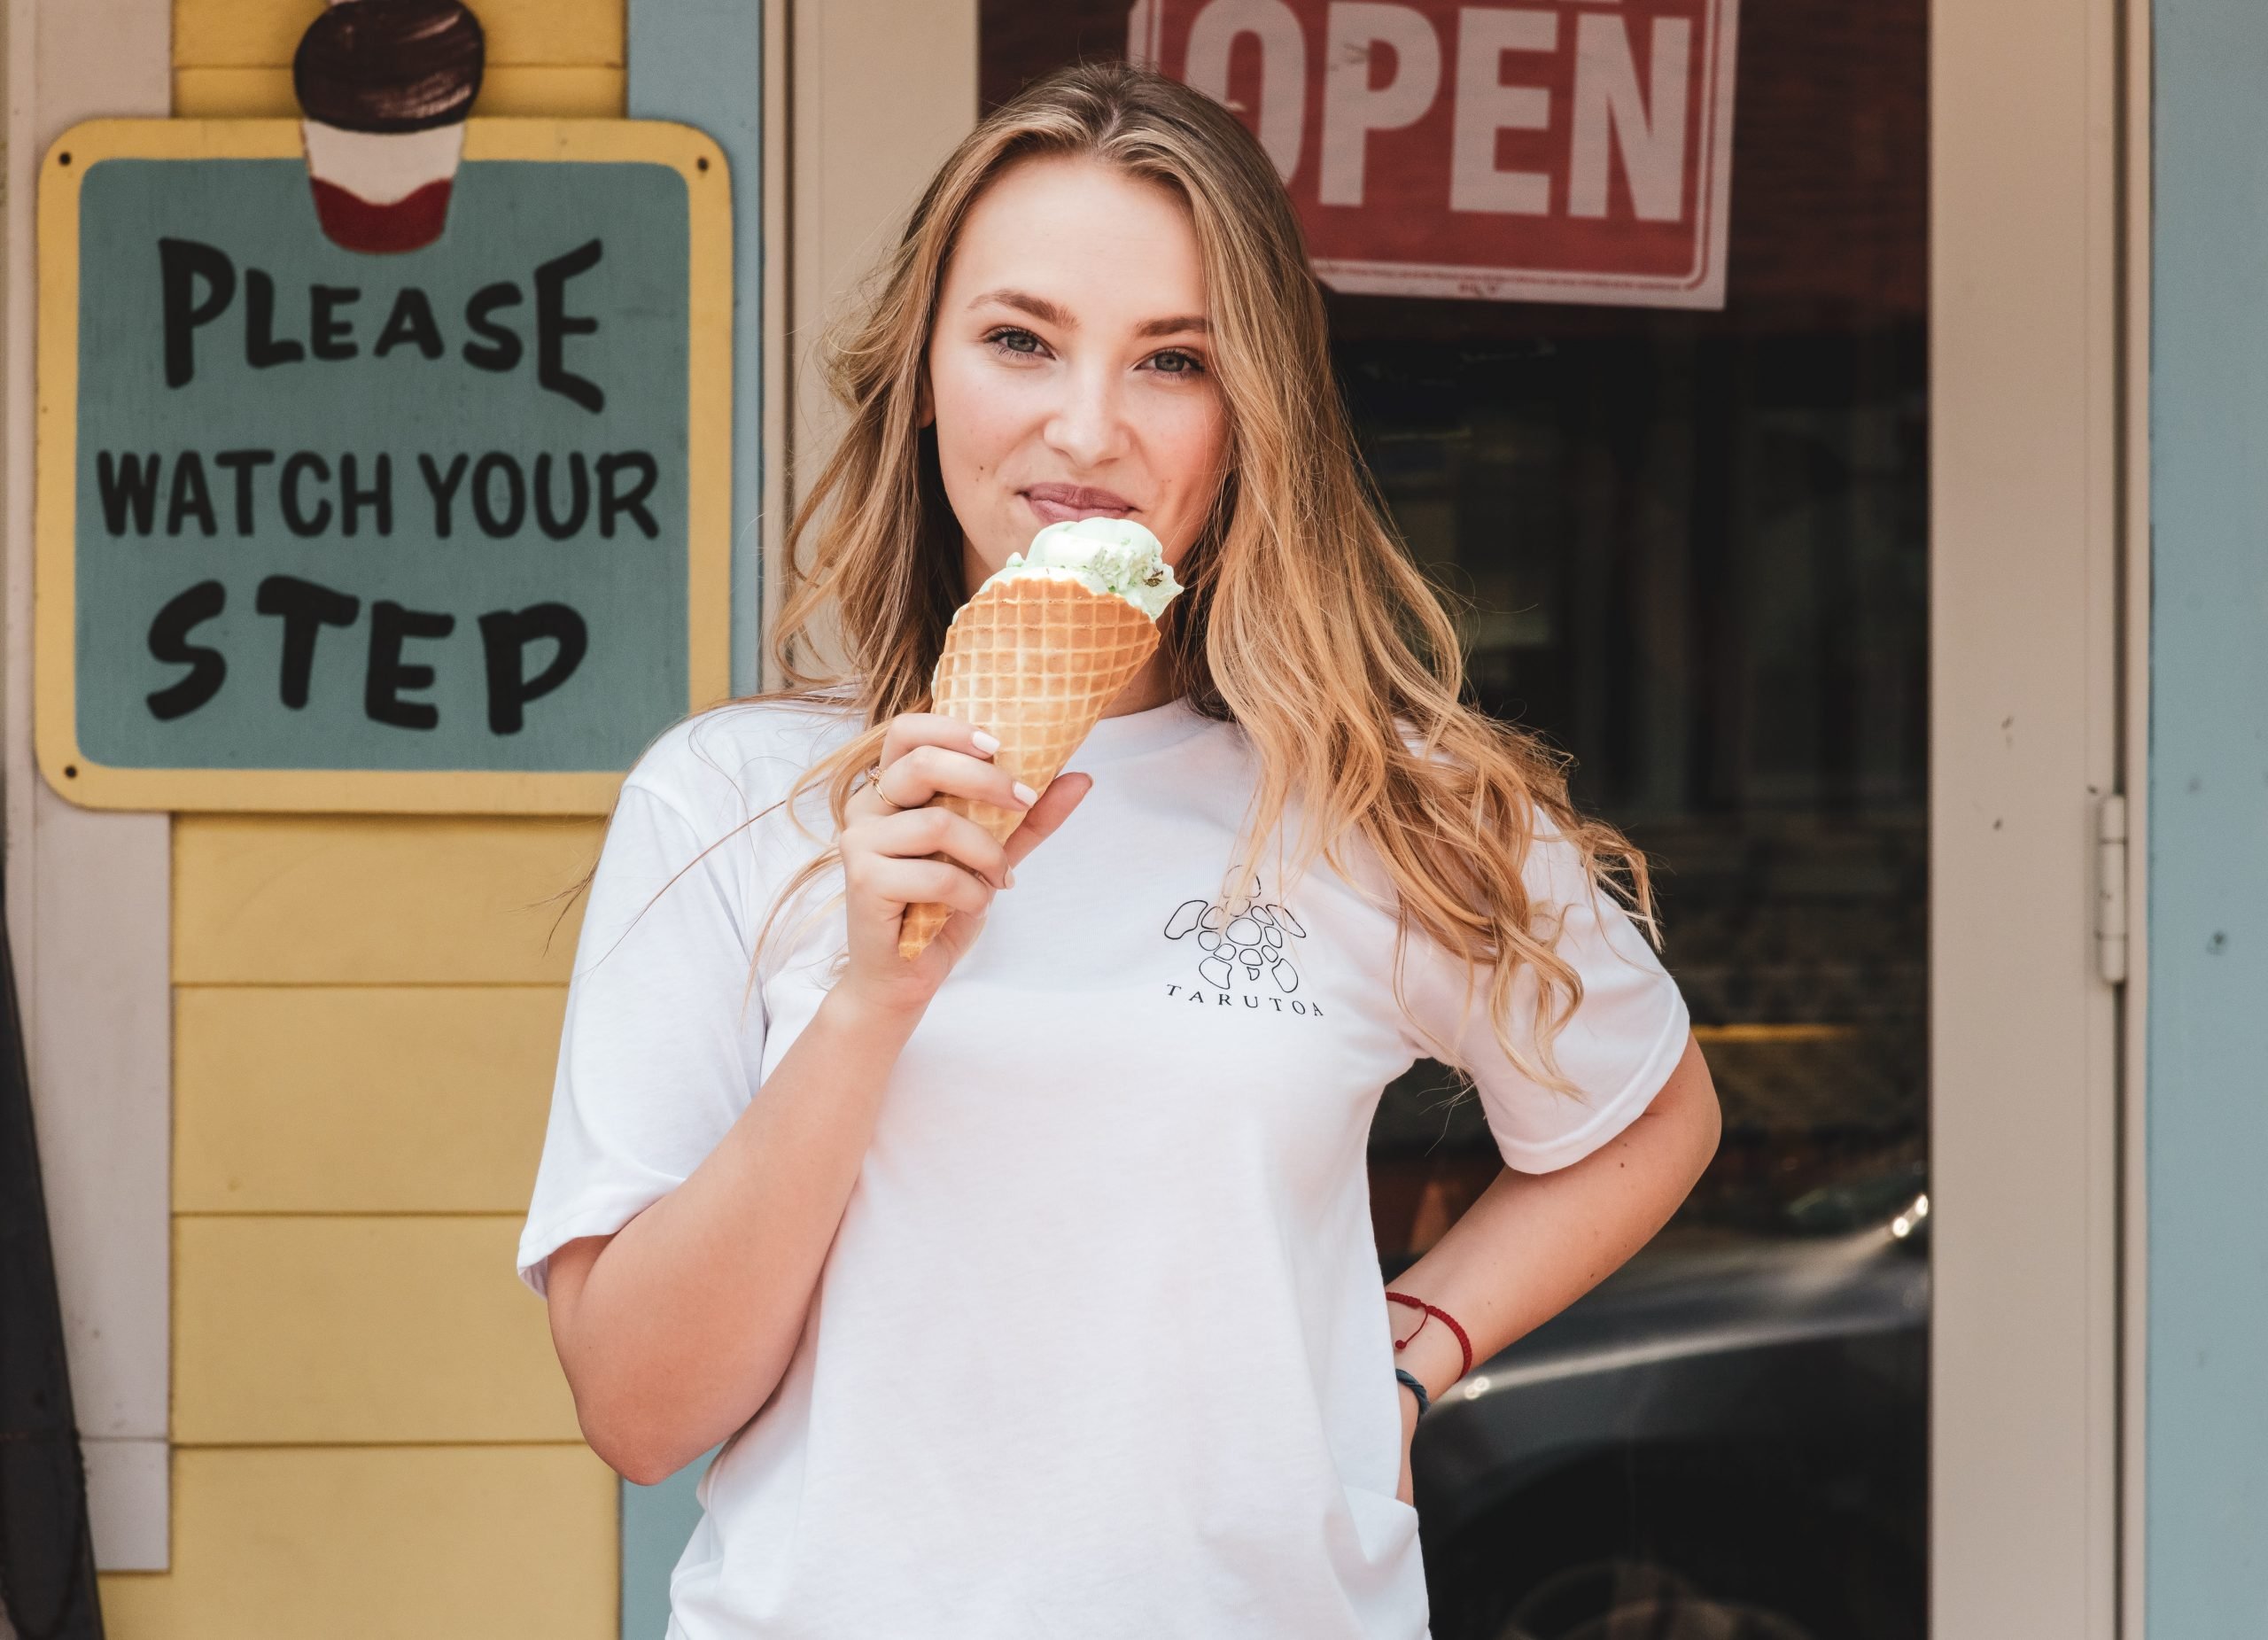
693, 155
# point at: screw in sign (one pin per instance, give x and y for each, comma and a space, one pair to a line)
1559, 153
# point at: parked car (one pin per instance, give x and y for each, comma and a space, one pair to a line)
1724, 1441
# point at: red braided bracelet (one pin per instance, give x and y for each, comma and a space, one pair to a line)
1463, 1342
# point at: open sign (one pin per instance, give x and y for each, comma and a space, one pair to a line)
1539, 152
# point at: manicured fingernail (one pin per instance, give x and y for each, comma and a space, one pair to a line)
1025, 794
1010, 881
986, 743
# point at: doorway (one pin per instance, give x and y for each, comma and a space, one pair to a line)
1818, 577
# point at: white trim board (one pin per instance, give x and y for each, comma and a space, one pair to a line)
89, 894
853, 181
2135, 625
2026, 454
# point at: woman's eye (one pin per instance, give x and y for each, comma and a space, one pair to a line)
1023, 343
1010, 340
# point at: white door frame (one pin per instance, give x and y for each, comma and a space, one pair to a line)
89, 892
2135, 86
2038, 362
847, 181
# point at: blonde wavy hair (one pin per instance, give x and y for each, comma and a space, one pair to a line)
1304, 620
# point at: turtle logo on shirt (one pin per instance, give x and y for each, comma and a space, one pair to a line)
1245, 943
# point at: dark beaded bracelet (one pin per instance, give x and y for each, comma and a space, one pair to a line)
1416, 1388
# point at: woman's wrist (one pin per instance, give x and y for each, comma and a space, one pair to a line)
852, 1009
1428, 1348
1436, 1367
860, 1039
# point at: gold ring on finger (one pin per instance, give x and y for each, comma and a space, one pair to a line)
875, 780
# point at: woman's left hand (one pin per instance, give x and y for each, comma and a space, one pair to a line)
1405, 1488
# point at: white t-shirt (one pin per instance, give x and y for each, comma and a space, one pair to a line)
1101, 1348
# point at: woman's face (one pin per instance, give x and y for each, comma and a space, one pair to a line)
1070, 367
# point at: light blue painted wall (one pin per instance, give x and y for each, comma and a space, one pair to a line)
2208, 1137
701, 62
657, 1521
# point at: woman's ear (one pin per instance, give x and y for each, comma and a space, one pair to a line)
925, 409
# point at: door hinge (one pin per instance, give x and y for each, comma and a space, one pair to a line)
2110, 887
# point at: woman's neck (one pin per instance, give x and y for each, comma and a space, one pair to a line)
1153, 686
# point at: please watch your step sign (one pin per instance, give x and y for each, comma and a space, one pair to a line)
441, 530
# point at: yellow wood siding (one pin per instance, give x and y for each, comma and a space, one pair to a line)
262, 34
294, 1099
376, 900
444, 1543
351, 1329
372, 1436
557, 90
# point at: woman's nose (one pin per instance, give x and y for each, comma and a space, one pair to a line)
1088, 426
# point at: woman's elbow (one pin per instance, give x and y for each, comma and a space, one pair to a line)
1687, 1106
1705, 1116
634, 1465
601, 1413
624, 1420
608, 1424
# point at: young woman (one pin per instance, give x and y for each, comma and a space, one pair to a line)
1030, 1284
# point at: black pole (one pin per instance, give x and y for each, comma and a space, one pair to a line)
47, 1557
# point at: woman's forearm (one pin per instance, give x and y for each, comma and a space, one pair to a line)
689, 1314
1533, 1243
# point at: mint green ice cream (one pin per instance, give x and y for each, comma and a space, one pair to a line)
1108, 555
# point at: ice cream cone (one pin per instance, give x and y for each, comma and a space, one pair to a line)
1034, 660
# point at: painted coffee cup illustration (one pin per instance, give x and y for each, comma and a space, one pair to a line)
383, 88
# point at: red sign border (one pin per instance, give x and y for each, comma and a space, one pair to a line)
1701, 286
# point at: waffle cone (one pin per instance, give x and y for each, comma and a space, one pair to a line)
1035, 659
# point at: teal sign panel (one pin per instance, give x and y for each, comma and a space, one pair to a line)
424, 511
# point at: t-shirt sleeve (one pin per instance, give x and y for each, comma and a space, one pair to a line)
1618, 1047
657, 1056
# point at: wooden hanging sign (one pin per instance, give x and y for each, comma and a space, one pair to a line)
378, 479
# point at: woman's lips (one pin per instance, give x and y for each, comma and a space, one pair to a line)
1058, 503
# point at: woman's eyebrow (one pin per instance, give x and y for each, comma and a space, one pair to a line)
1038, 306
1048, 312
1197, 323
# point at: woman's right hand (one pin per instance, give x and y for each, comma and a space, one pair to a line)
888, 835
